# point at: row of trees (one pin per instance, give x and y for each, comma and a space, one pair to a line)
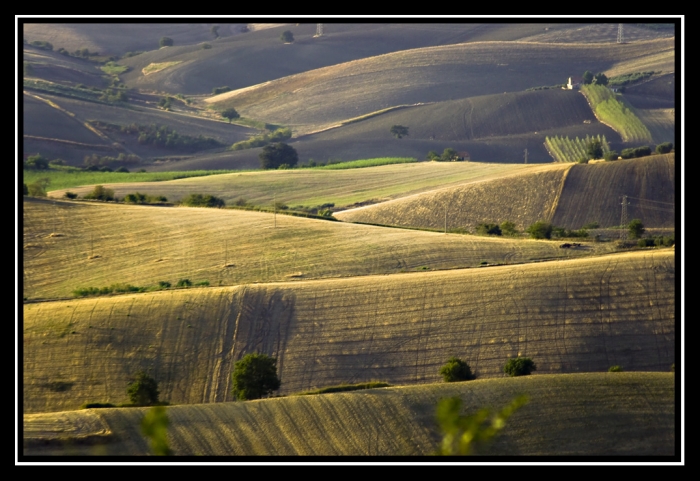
456, 369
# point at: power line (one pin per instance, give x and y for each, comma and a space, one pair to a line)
649, 200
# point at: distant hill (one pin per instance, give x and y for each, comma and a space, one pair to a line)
597, 414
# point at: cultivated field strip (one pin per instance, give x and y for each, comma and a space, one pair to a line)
581, 315
527, 197
311, 187
566, 195
600, 414
593, 193
660, 122
71, 245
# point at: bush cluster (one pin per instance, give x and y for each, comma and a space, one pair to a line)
139, 198
254, 377
635, 152
100, 193
202, 200
264, 139
658, 241
456, 370
521, 366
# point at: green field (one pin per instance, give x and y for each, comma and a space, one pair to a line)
616, 113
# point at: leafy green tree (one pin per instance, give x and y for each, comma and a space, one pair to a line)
154, 426
143, 390
202, 200
456, 369
37, 162
230, 114
432, 155
448, 155
594, 149
600, 79
465, 434
587, 77
274, 155
26, 190
635, 228
166, 42
399, 131
540, 230
611, 155
287, 36
254, 376
165, 103
488, 229
38, 188
521, 366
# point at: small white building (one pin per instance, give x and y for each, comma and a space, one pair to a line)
575, 82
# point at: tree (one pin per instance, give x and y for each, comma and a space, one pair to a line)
448, 155
38, 188
488, 229
540, 230
100, 193
215, 31
594, 149
37, 162
143, 390
166, 42
456, 370
230, 114
26, 190
587, 77
635, 228
664, 148
274, 155
254, 376
521, 366
398, 131
600, 79
287, 36
432, 155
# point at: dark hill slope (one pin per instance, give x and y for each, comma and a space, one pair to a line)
594, 193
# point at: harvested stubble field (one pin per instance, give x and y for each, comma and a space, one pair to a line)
567, 195
309, 101
43, 120
311, 187
595, 414
660, 122
142, 245
593, 193
579, 315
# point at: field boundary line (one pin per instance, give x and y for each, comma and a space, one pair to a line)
557, 197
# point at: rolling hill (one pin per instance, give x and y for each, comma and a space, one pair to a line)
567, 195
578, 315
600, 414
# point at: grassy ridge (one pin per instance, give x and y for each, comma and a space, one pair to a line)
67, 179
602, 414
579, 315
616, 114
362, 163
318, 186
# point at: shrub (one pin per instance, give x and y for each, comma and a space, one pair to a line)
38, 188
456, 370
26, 190
521, 366
287, 36
184, 283
97, 405
199, 200
540, 230
100, 193
508, 228
166, 42
611, 155
220, 90
398, 131
615, 369
230, 114
37, 162
664, 148
164, 284
143, 390
254, 376
591, 225
70, 195
488, 229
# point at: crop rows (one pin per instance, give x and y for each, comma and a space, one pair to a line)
616, 114
564, 149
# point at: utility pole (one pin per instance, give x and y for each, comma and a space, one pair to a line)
526, 156
226, 255
319, 30
620, 36
275, 209
623, 217
91, 244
